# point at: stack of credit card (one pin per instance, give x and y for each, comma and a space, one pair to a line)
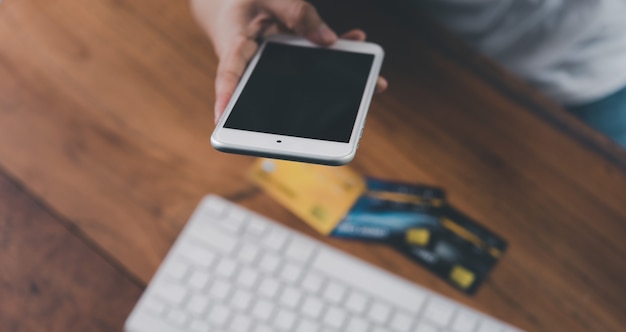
413, 219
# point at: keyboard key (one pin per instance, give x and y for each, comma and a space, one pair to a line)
256, 226
199, 280
307, 326
376, 282
219, 315
230, 226
285, 320
269, 263
154, 306
465, 321
356, 302
199, 326
299, 249
241, 323
220, 289
262, 310
263, 328
241, 299
290, 297
247, 277
312, 307
426, 327
197, 304
290, 273
177, 317
335, 317
248, 253
269, 288
209, 235
172, 293
234, 221
489, 326
334, 292
226, 268
199, 256
401, 322
196, 255
511, 329
275, 239
312, 282
236, 215
177, 270
439, 311
379, 313
357, 324
213, 205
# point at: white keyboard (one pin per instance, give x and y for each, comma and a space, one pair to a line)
232, 270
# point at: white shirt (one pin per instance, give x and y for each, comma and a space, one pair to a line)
573, 50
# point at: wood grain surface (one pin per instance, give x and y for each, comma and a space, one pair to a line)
106, 113
51, 279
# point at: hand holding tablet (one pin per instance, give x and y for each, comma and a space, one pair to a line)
300, 101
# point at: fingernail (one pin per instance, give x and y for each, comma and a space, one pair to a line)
326, 34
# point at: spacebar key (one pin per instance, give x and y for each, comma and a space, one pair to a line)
209, 235
370, 279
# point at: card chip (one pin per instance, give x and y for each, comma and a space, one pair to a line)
418, 236
436, 202
319, 212
495, 252
462, 276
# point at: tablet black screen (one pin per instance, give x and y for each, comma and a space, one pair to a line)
303, 92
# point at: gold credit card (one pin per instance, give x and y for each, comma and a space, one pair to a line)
320, 195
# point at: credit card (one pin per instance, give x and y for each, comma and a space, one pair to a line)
319, 195
413, 219
386, 209
456, 248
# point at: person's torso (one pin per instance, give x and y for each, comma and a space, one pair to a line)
575, 50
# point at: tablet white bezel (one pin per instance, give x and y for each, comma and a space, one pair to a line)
297, 148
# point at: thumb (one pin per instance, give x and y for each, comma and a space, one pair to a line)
301, 17
230, 68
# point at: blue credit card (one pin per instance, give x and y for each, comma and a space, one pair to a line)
386, 209
456, 248
416, 221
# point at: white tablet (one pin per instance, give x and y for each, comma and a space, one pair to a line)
302, 102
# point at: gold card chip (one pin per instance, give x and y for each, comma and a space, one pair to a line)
418, 236
462, 276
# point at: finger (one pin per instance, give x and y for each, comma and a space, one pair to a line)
230, 68
271, 30
381, 84
359, 35
356, 34
301, 17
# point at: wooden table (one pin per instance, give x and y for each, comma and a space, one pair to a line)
105, 117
